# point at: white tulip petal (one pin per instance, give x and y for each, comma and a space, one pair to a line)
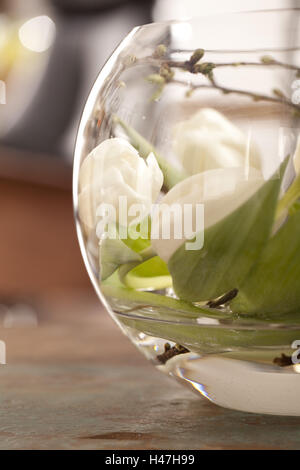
156, 175
220, 191
113, 170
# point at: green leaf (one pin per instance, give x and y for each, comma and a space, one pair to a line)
289, 199
113, 253
273, 286
231, 247
151, 274
128, 253
294, 208
142, 241
171, 174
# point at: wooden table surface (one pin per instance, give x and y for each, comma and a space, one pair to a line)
73, 381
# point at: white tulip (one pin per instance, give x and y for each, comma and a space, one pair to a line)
112, 170
208, 140
219, 192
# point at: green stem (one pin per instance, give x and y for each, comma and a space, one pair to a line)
130, 279
174, 307
147, 253
175, 320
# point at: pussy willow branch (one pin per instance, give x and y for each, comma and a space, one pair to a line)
266, 63
195, 65
256, 96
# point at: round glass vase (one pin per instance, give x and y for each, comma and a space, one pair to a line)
193, 126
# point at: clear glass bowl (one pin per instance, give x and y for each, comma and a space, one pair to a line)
201, 117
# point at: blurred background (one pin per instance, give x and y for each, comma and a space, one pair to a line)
50, 54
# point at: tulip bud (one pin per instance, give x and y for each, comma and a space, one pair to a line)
209, 140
